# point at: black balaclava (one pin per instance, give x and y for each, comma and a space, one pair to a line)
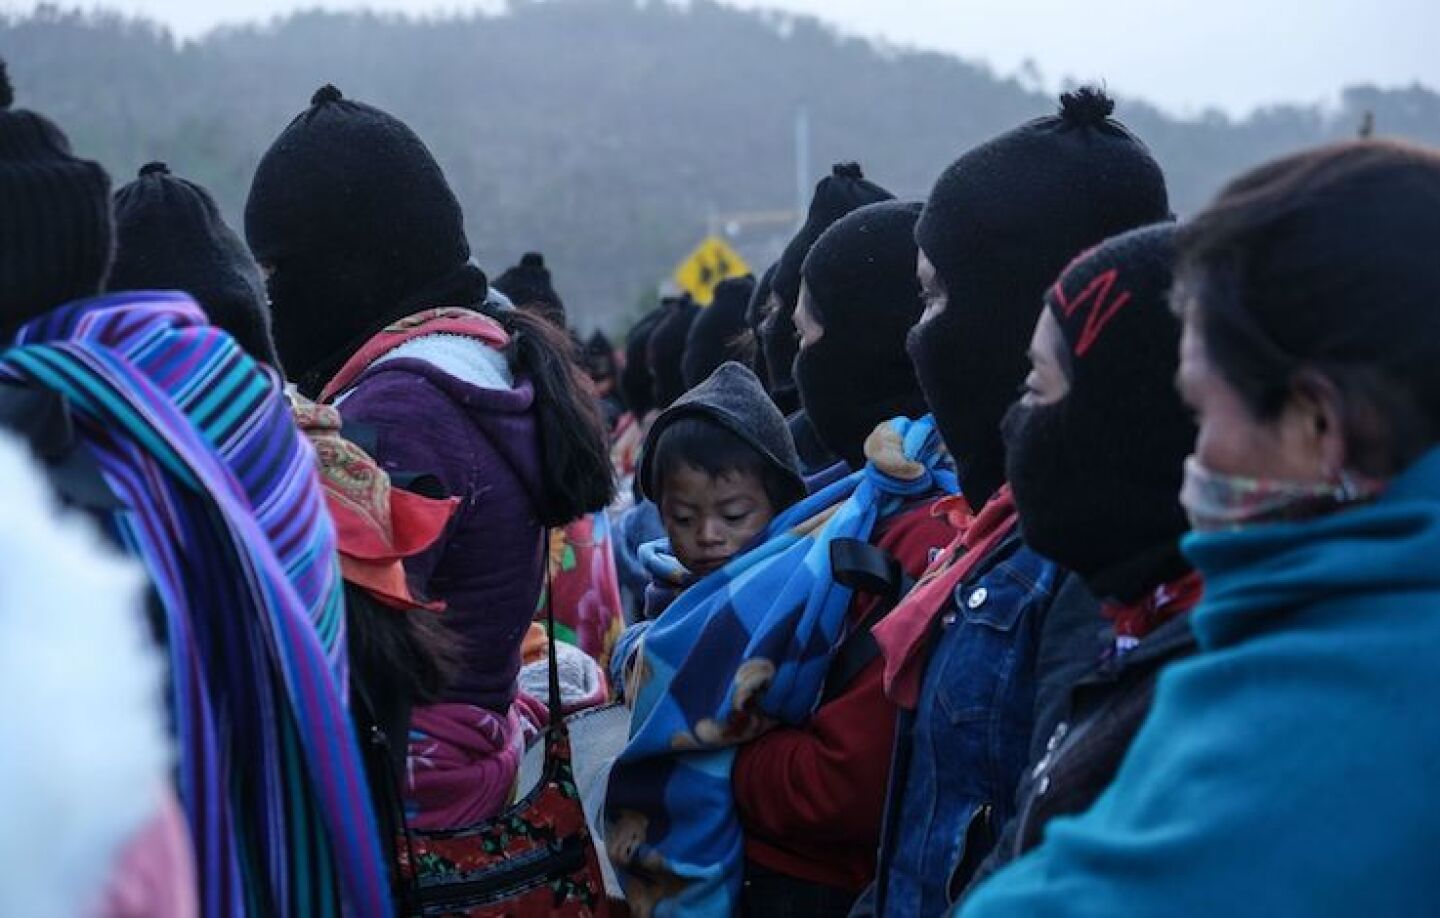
815, 456
637, 387
860, 281
169, 235
55, 222
359, 228
779, 347
1097, 475
845, 189
759, 298
718, 333
754, 318
1001, 223
528, 285
666, 350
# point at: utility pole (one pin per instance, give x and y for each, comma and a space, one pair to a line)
802, 164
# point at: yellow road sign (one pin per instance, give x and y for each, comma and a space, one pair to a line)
712, 262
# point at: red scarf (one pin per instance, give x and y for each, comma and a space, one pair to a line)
904, 635
1133, 621
376, 526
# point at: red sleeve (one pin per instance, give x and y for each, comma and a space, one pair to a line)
913, 536
826, 781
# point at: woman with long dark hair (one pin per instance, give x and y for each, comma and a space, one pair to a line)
378, 309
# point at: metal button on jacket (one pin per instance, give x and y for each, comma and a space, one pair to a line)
977, 598
1061, 729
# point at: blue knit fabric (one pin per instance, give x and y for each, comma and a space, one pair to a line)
1290, 768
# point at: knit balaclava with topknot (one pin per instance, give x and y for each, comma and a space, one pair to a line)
845, 189
1001, 223
1097, 474
55, 224
528, 285
666, 350
637, 386
763, 303
354, 219
169, 235
718, 335
860, 288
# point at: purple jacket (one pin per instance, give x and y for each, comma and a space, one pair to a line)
484, 447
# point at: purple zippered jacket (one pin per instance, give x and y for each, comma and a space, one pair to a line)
483, 445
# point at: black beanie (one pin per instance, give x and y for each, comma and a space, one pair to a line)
845, 189
169, 235
732, 398
718, 334
1097, 474
599, 344
599, 356
55, 224
359, 228
528, 285
861, 288
667, 350
637, 386
1001, 223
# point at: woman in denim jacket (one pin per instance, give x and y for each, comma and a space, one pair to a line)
984, 650
965, 737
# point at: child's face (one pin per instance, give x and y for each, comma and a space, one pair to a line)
709, 518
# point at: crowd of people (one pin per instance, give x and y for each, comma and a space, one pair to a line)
1024, 550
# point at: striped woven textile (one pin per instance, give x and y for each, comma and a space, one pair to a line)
224, 509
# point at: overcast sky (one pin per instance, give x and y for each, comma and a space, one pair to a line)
1184, 55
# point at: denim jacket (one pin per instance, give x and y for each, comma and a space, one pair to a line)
960, 754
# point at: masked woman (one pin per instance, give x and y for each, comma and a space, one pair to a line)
379, 309
1094, 451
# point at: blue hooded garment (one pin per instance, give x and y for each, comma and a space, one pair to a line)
1292, 767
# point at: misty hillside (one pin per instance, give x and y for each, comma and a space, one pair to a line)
602, 132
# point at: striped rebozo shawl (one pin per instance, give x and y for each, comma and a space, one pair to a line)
222, 505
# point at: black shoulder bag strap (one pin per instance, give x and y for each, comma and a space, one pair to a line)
868, 569
557, 706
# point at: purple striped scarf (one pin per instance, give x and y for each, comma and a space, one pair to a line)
224, 508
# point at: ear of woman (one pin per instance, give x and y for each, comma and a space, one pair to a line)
1312, 427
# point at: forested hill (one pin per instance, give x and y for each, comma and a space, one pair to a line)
603, 132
